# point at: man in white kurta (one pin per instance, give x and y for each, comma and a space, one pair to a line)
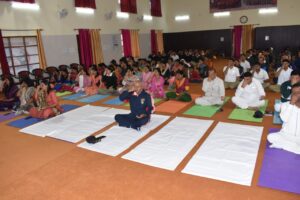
244, 63
214, 90
261, 75
283, 74
288, 138
249, 94
232, 75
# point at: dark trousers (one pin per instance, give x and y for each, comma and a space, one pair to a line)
8, 105
130, 121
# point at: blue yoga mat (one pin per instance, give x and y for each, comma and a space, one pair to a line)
27, 121
115, 101
74, 96
276, 118
92, 99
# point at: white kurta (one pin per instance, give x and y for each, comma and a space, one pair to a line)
284, 75
213, 90
262, 75
232, 74
288, 138
246, 65
250, 95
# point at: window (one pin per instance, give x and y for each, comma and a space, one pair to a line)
122, 44
21, 53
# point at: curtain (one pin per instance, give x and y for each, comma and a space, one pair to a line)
85, 4
160, 41
85, 48
135, 44
156, 8
237, 38
42, 56
96, 46
153, 42
21, 1
25, 1
126, 42
3, 60
247, 37
128, 6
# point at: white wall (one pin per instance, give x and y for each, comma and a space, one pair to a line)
48, 19
59, 36
60, 49
202, 19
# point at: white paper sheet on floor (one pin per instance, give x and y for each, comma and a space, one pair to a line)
75, 125
118, 139
168, 147
228, 154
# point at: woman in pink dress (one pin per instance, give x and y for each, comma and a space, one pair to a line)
46, 101
82, 80
96, 83
146, 77
156, 87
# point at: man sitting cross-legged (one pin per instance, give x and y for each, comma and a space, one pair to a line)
214, 90
250, 93
140, 106
288, 138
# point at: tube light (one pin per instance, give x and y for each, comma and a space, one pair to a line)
268, 10
221, 14
182, 17
85, 11
147, 17
25, 6
122, 15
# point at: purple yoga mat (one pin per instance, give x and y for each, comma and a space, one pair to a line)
280, 169
8, 116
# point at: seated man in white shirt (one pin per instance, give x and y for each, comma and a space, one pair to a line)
283, 74
245, 63
250, 93
232, 75
261, 75
288, 138
214, 90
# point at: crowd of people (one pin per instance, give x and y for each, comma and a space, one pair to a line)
37, 97
141, 81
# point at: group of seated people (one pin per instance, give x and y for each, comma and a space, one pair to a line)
39, 100
142, 81
175, 69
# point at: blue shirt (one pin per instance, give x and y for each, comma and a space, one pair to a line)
139, 104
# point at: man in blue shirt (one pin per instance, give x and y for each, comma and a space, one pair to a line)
140, 106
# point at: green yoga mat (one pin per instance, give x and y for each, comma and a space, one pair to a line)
204, 111
60, 94
155, 102
247, 115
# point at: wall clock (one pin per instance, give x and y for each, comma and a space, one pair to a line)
244, 19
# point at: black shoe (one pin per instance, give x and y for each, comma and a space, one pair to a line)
93, 140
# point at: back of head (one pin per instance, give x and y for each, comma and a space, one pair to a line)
296, 85
28, 82
247, 74
295, 73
